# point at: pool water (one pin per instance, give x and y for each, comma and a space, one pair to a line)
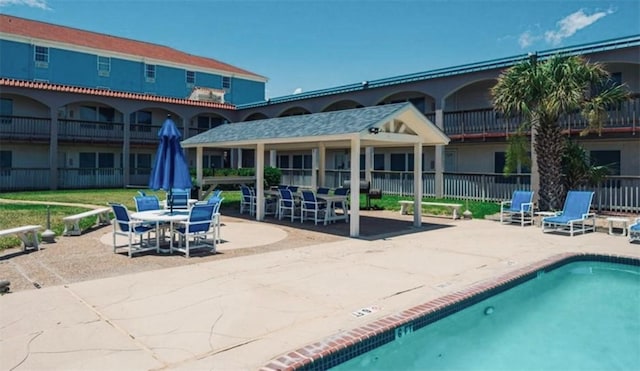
581, 316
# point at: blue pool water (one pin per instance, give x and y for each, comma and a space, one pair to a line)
581, 316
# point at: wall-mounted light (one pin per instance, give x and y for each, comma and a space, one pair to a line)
374, 130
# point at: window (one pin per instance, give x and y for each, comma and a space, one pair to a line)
139, 164
248, 158
140, 121
610, 159
190, 77
104, 66
499, 160
402, 162
301, 162
102, 114
41, 56
211, 162
226, 82
616, 78
5, 163
6, 110
106, 160
283, 161
378, 161
87, 163
150, 72
208, 122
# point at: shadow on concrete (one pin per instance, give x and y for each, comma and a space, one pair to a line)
373, 225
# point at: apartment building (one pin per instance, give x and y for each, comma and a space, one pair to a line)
96, 127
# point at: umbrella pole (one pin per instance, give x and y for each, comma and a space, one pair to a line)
171, 200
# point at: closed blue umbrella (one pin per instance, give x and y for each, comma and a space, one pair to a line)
170, 169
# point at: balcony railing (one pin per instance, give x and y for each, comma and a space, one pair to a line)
24, 128
90, 131
24, 179
485, 123
144, 133
90, 178
479, 123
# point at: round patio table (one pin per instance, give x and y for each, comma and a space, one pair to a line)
163, 216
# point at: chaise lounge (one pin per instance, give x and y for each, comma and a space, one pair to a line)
519, 209
574, 217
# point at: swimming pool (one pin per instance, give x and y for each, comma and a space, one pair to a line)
572, 311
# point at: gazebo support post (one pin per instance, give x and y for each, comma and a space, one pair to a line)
322, 159
354, 208
259, 181
417, 184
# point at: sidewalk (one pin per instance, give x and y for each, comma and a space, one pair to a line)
237, 314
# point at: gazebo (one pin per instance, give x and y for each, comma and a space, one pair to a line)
392, 125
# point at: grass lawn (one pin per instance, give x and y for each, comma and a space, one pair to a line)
15, 215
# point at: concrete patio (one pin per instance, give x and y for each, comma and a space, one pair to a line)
239, 311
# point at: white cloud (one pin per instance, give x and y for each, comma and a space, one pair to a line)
571, 24
41, 4
526, 39
567, 27
297, 91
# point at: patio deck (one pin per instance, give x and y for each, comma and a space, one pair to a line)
253, 301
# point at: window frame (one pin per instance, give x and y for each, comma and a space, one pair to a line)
190, 77
226, 83
43, 52
103, 65
150, 72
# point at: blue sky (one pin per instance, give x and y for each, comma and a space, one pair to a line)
303, 45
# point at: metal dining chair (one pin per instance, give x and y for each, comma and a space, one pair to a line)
286, 203
311, 205
195, 232
124, 226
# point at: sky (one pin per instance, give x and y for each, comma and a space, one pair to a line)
305, 45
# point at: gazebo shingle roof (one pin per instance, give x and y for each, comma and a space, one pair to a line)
318, 124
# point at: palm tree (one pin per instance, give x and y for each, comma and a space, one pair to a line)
541, 92
578, 167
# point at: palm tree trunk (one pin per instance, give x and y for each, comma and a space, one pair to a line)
549, 147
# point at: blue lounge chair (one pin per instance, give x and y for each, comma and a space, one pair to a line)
634, 231
575, 215
519, 209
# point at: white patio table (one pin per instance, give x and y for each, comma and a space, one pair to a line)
331, 201
190, 203
163, 216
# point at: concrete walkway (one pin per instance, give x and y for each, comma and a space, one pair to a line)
237, 314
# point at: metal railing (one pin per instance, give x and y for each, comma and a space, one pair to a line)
488, 122
90, 178
469, 123
24, 128
24, 179
90, 131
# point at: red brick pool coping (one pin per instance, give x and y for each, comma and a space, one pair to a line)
305, 356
